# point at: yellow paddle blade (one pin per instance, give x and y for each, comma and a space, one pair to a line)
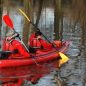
63, 59
24, 15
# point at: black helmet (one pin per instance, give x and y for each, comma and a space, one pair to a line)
12, 34
38, 33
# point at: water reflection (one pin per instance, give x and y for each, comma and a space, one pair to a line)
73, 72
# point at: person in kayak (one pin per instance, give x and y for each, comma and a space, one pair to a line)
37, 42
11, 43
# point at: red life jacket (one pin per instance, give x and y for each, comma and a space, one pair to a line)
16, 45
31, 37
37, 43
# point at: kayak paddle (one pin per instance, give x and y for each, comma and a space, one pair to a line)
64, 58
8, 21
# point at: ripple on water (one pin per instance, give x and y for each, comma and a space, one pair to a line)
46, 81
74, 81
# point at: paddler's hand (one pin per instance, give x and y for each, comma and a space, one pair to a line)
54, 45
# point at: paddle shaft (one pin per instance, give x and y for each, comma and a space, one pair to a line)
21, 40
7, 52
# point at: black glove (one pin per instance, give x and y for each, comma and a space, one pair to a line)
15, 51
17, 34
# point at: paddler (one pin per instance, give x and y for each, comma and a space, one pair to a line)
37, 42
11, 43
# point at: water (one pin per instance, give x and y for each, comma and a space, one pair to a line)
73, 72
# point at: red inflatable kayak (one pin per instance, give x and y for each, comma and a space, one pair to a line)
14, 71
40, 57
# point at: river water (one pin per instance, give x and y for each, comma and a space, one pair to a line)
72, 73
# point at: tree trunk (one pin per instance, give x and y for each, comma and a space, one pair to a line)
61, 29
40, 5
0, 20
5, 4
57, 18
0, 14
27, 28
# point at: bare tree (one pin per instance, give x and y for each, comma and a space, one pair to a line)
40, 5
57, 18
28, 10
78, 11
0, 12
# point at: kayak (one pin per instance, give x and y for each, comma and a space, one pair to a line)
31, 69
40, 57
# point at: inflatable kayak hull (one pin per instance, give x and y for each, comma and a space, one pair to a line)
13, 72
39, 57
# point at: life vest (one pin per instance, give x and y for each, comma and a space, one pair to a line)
13, 46
35, 43
39, 43
58, 43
